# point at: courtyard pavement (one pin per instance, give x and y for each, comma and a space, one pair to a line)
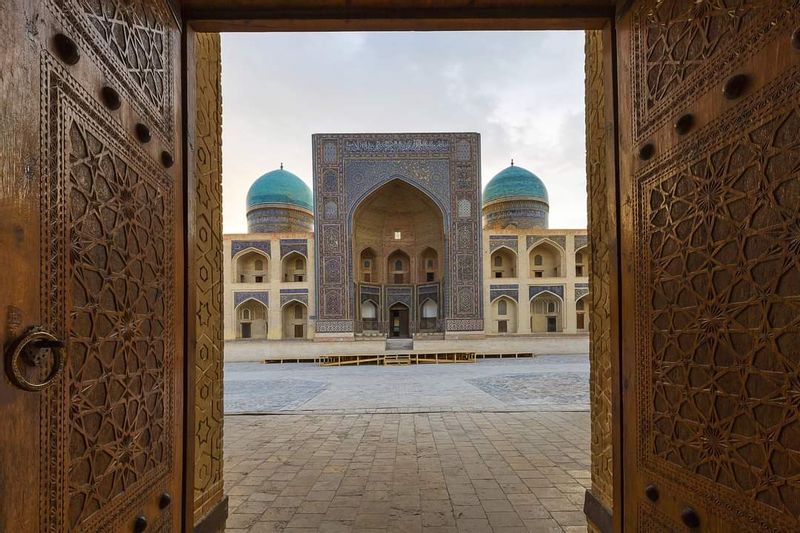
495, 446
543, 383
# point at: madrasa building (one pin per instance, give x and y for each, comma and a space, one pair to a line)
397, 241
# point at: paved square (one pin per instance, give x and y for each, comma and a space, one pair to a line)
547, 382
495, 446
468, 471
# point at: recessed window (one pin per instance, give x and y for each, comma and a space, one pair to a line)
298, 312
498, 261
367, 263
502, 326
429, 276
502, 307
498, 274
398, 265
259, 264
537, 260
259, 279
579, 270
398, 235
537, 274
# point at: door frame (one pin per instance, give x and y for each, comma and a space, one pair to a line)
200, 16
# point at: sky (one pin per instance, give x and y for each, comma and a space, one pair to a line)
522, 91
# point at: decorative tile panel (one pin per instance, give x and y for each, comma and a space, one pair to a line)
581, 290
496, 291
534, 290
294, 245
533, 240
238, 246
299, 295
496, 241
243, 296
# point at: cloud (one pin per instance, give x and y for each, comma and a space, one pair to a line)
522, 91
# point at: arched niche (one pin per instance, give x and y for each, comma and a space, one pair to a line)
504, 315
546, 313
429, 315
294, 318
503, 263
546, 260
582, 312
251, 266
368, 266
370, 320
294, 267
582, 262
398, 268
252, 320
428, 266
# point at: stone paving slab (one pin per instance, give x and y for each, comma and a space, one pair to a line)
544, 383
459, 472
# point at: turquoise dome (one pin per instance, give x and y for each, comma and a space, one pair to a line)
515, 182
279, 187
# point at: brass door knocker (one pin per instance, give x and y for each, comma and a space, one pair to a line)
28, 350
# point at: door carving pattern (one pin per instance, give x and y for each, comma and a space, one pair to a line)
601, 232
720, 260
132, 42
716, 283
682, 48
208, 274
107, 239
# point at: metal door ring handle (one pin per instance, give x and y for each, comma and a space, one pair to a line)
35, 338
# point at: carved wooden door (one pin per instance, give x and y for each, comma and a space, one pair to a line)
91, 242
710, 187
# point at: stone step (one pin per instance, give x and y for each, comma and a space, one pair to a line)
399, 344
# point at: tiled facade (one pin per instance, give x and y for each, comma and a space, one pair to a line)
276, 290
519, 286
491, 270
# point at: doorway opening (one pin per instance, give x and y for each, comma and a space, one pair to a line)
402, 226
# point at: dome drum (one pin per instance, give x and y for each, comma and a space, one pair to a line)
522, 213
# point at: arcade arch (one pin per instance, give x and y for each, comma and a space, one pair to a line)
546, 261
251, 266
293, 266
252, 320
504, 315
546, 313
503, 263
294, 319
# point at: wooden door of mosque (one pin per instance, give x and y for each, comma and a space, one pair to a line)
709, 119
91, 233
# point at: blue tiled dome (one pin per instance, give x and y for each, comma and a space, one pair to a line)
279, 187
515, 182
